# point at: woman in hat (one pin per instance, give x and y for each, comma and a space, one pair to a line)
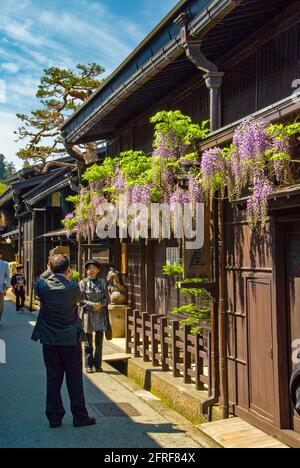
94, 314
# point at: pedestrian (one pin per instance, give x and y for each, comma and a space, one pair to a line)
94, 314
18, 284
60, 331
4, 282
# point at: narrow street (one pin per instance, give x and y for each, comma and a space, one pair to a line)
22, 403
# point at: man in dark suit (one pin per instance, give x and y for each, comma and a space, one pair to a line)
60, 331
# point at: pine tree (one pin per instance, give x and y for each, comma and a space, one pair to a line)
61, 92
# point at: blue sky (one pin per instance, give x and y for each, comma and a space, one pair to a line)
35, 35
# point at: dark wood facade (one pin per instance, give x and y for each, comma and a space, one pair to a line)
261, 61
34, 207
259, 330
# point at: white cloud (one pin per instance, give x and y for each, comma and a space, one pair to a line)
83, 34
8, 146
10, 67
23, 86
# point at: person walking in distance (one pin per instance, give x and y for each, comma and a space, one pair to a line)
4, 282
60, 331
18, 284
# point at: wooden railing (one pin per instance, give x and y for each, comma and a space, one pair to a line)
165, 343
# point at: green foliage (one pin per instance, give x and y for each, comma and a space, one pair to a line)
195, 316
3, 188
181, 125
101, 172
194, 292
281, 130
75, 275
70, 224
173, 270
135, 166
7, 169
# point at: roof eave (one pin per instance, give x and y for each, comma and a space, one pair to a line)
199, 26
147, 39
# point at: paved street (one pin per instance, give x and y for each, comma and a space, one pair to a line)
22, 403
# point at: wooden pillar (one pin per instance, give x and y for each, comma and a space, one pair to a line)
150, 278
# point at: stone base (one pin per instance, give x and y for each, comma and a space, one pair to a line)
117, 314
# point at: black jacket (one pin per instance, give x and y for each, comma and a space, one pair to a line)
295, 389
18, 280
58, 322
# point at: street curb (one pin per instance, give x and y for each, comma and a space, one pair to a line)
182, 398
165, 411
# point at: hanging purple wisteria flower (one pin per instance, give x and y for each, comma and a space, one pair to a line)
213, 168
257, 206
281, 155
119, 182
193, 190
140, 194
170, 146
179, 197
251, 139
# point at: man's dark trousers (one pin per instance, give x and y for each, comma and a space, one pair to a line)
64, 361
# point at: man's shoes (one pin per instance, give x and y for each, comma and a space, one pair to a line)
85, 422
89, 370
98, 370
55, 425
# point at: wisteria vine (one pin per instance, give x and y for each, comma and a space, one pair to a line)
259, 158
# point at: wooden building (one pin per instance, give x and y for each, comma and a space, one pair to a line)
223, 60
32, 208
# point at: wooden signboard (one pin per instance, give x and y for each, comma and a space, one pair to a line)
197, 262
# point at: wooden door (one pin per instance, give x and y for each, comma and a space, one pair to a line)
293, 298
261, 372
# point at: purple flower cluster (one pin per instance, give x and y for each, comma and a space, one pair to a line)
258, 204
98, 200
97, 185
168, 178
119, 182
251, 139
280, 146
69, 216
163, 149
193, 190
212, 162
179, 196
170, 146
140, 194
